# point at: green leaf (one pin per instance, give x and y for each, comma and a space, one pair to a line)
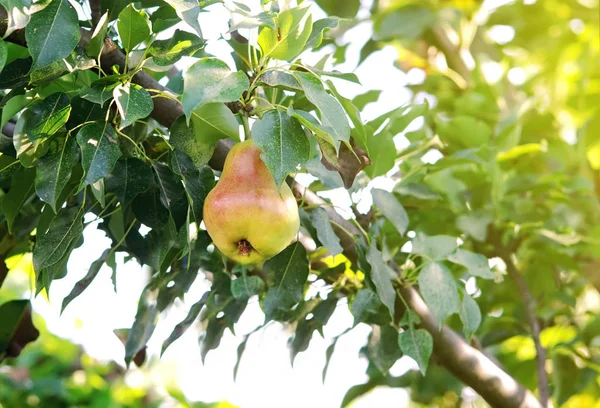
18, 15
332, 113
54, 244
84, 282
52, 33
185, 323
354, 114
98, 190
408, 22
99, 92
287, 271
197, 182
20, 190
143, 325
470, 315
113, 7
464, 132
149, 210
16, 327
172, 194
129, 178
14, 106
325, 233
382, 276
344, 9
188, 11
15, 74
306, 327
434, 248
322, 133
362, 100
181, 43
133, 102
319, 28
244, 19
54, 171
475, 224
212, 122
287, 40
476, 264
3, 54
134, 27
330, 179
418, 345
212, 336
8, 166
99, 151
391, 208
283, 142
184, 139
44, 118
439, 290
210, 80
280, 79
245, 287
383, 349
365, 305
382, 152
416, 190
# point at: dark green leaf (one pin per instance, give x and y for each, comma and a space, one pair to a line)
97, 41
365, 305
391, 208
21, 189
52, 246
476, 264
197, 182
133, 102
212, 336
149, 210
287, 40
208, 81
15, 74
52, 33
99, 93
44, 118
245, 287
164, 17
16, 327
129, 178
325, 233
418, 345
99, 151
113, 7
3, 54
439, 290
181, 43
185, 323
382, 348
54, 171
172, 193
143, 326
134, 27
382, 276
283, 142
82, 284
288, 271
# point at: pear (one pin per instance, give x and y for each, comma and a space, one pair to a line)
247, 216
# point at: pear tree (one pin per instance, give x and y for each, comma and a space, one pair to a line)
480, 265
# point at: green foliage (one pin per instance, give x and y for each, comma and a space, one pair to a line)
91, 134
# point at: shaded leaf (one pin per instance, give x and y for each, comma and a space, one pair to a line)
99, 151
129, 178
280, 79
245, 287
184, 139
17, 14
21, 189
476, 264
320, 220
212, 336
418, 345
365, 306
349, 161
382, 276
439, 290
185, 323
287, 271
44, 118
391, 208
188, 11
181, 43
172, 193
54, 171
470, 315
435, 248
50, 248
382, 347
148, 208
16, 328
82, 284
143, 325
475, 224
212, 122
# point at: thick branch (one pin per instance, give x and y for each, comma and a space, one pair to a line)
534, 324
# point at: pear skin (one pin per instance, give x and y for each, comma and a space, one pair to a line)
247, 216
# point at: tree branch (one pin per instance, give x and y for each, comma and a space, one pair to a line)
96, 9
534, 324
452, 53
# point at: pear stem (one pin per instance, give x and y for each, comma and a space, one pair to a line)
247, 134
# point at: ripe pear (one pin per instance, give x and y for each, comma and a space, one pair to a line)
249, 218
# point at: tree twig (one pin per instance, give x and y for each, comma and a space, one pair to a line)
96, 9
534, 324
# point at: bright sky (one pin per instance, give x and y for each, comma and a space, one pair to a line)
266, 378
